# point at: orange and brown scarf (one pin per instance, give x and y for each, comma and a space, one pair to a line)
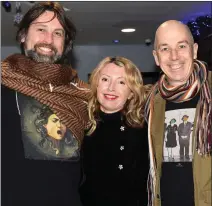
54, 85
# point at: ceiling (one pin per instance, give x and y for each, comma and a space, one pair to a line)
99, 23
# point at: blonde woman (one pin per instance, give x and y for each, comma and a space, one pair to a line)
115, 150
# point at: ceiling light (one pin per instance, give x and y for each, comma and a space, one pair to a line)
128, 30
115, 41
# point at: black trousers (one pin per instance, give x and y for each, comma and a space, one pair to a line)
184, 145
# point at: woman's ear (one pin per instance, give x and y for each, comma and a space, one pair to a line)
130, 96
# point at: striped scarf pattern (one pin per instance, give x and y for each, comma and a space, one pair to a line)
196, 83
54, 85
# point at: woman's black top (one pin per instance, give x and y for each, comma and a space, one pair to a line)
115, 164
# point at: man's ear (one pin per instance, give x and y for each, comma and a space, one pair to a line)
195, 49
155, 57
23, 39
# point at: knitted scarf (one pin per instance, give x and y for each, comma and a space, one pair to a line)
54, 85
196, 83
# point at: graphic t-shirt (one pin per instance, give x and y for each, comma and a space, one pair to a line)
177, 176
40, 156
44, 135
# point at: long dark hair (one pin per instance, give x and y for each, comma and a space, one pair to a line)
36, 11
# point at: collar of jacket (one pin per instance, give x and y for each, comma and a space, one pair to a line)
157, 129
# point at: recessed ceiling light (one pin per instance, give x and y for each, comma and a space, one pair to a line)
115, 41
128, 30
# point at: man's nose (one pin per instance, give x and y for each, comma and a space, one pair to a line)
174, 54
48, 38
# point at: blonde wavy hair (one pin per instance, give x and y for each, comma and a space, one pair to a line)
133, 110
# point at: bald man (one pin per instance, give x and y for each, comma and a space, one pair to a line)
184, 88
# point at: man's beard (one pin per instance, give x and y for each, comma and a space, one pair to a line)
38, 57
